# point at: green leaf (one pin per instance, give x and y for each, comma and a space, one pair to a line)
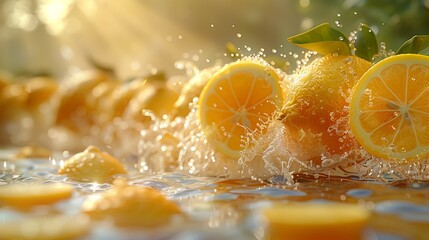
418, 44
323, 39
366, 44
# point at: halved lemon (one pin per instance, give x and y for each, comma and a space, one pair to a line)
238, 100
389, 111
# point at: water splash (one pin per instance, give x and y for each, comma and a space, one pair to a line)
180, 145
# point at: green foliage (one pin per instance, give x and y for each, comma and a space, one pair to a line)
418, 44
366, 43
323, 39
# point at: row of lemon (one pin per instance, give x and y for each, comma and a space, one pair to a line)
42, 110
334, 106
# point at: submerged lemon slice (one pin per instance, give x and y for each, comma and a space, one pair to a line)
28, 195
389, 111
316, 221
237, 100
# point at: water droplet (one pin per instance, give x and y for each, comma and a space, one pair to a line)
337, 23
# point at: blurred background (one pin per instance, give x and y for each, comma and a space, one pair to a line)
141, 37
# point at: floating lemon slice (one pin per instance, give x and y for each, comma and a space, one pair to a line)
238, 100
316, 221
49, 227
27, 195
131, 206
92, 165
389, 111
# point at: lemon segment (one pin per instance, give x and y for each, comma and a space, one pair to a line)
389, 110
131, 206
316, 221
238, 100
92, 165
26, 196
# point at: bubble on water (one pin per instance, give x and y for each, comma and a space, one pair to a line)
239, 35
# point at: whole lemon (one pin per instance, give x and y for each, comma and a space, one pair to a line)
315, 112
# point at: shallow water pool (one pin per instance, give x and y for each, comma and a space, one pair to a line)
219, 208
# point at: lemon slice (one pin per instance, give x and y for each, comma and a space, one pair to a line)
316, 221
92, 165
49, 227
27, 195
389, 110
131, 206
237, 100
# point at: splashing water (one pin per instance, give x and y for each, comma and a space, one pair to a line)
180, 145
